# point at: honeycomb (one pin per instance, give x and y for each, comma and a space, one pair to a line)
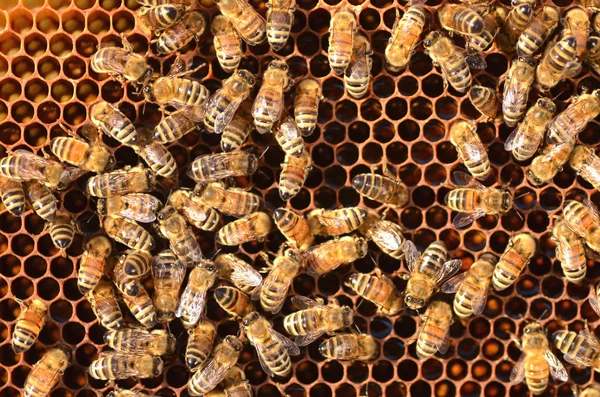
45, 80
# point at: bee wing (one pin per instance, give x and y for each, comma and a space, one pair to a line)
225, 117
269, 105
192, 112
590, 337
280, 17
518, 372
113, 118
465, 179
592, 208
594, 300
305, 340
463, 219
557, 370
389, 237
136, 343
411, 256
452, 285
263, 364
448, 270
331, 221
134, 201
177, 68
290, 346
302, 302
90, 133
479, 301
70, 174
443, 347
244, 274
192, 303
475, 61
213, 370
475, 152
159, 270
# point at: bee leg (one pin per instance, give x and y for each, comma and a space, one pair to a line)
404, 276
320, 300
514, 338
385, 212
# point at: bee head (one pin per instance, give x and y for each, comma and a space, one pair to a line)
533, 328
101, 207
157, 366
596, 93
547, 103
250, 318
234, 342
148, 94
431, 38
246, 75
111, 161
347, 316
507, 201
362, 246
277, 64
533, 179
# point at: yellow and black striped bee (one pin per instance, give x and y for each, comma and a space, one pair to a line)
12, 195
325, 257
386, 189
249, 24
294, 171
217, 166
182, 239
42, 200
22, 166
153, 20
157, 342
158, 158
350, 347
570, 251
141, 307
492, 23
289, 136
584, 219
514, 25
129, 286
29, 324
237, 131
121, 182
387, 235
580, 349
62, 230
586, 163
463, 135
576, 23
571, 121
537, 32
486, 100
113, 365
111, 121
213, 370
136, 263
229, 201
294, 228
255, 226
194, 211
200, 343
433, 334
122, 63
516, 256
238, 271
593, 51
280, 18
406, 34
105, 306
227, 43
193, 299
233, 301
335, 222
138, 207
460, 19
358, 71
342, 28
90, 156
129, 233
168, 273
127, 393
378, 289
188, 28
556, 62
173, 126
273, 349
235, 383
91, 267
549, 162
306, 105
268, 105
46, 373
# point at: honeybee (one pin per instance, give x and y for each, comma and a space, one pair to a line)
105, 306
568, 124
29, 324
121, 182
555, 63
385, 234
268, 105
233, 301
236, 384
537, 32
91, 267
492, 23
335, 222
452, 61
461, 19
516, 89
193, 299
570, 251
45, 373
136, 263
472, 287
62, 230
21, 166
406, 33
515, 23
592, 390
549, 162
275, 286
342, 28
200, 344
168, 273
77, 152
158, 158
238, 271
213, 370
222, 105
294, 228
138, 207
194, 211
525, 140
475, 200
127, 393
358, 72
153, 20
129, 233
576, 23
306, 105
433, 334
350, 347
255, 226
537, 362
227, 43
42, 200
386, 189
463, 135
115, 365
12, 196
141, 307
288, 136
580, 349
122, 63
245, 20
426, 272
587, 164
216, 166
280, 18
189, 28
273, 349
331, 254
182, 240
238, 129
140, 341
593, 51
111, 121
583, 219
294, 171
129, 286
516, 256
378, 289
173, 126
485, 100
232, 201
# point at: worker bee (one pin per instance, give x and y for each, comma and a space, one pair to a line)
173, 126
194, 211
213, 370
306, 105
294, 228
233, 301
216, 166
153, 20
268, 105
46, 373
485, 100
426, 272
358, 72
378, 289
342, 28
77, 152
288, 136
12, 196
182, 240
463, 135
592, 390
452, 61
91, 267
62, 230
515, 24
516, 89
200, 344
129, 233
587, 164
273, 349
433, 334
537, 362
583, 219
122, 63
129, 286
461, 19
127, 393
335, 222
350, 347
138, 207
331, 254
475, 200
570, 251
116, 365
158, 158
576, 23
385, 234
525, 140
593, 51
294, 171
236, 384
549, 162
255, 226
42, 200
238, 271
188, 28
29, 324
568, 124
386, 189
121, 182
140, 341
105, 306
492, 23
580, 349
472, 287
275, 286
193, 299
280, 18
237, 131
537, 32
136, 263
555, 63
516, 256
406, 33
111, 121
22, 166
168, 273
227, 43
249, 24
141, 307
232, 201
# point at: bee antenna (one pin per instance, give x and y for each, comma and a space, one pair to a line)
522, 195
373, 259
357, 329
519, 215
359, 303
90, 218
265, 151
542, 315
215, 254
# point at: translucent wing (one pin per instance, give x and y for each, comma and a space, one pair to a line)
244, 274
388, 236
279, 18
177, 68
140, 200
443, 348
594, 300
136, 343
213, 370
475, 152
302, 302
448, 270
112, 118
479, 301
359, 66
305, 340
476, 61
192, 112
592, 208
167, 274
515, 139
274, 282
590, 338
515, 91
90, 133
557, 370
197, 211
192, 303
518, 372
69, 175
452, 285
271, 104
263, 364
225, 117
411, 256
219, 168
332, 220
290, 346
465, 179
463, 219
